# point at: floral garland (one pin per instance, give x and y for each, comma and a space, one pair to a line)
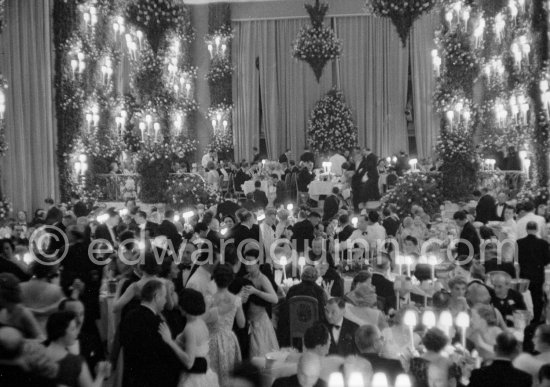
222, 143
219, 79
460, 163
190, 190
5, 208
402, 13
316, 44
416, 189
530, 192
331, 125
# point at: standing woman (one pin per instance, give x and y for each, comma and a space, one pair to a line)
261, 295
212, 176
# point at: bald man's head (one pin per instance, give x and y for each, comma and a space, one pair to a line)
309, 369
11, 343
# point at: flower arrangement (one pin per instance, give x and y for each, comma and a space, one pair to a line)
402, 13
531, 192
222, 143
5, 208
416, 188
316, 44
331, 125
190, 190
460, 163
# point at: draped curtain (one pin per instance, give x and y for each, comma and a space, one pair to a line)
29, 172
373, 74
426, 121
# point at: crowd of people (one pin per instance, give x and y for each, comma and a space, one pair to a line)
203, 299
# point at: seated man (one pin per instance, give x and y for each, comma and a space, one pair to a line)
341, 329
309, 371
317, 339
369, 342
259, 196
505, 299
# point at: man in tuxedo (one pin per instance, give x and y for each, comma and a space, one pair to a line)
372, 192
144, 224
486, 206
53, 214
342, 330
256, 156
383, 286
501, 373
260, 198
391, 221
346, 228
317, 339
468, 235
148, 360
280, 191
228, 207
308, 373
501, 206
107, 230
78, 206
285, 157
506, 299
359, 179
305, 176
241, 176
303, 231
331, 205
533, 256
169, 229
370, 342
307, 156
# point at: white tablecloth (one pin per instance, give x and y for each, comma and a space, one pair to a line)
318, 188
248, 186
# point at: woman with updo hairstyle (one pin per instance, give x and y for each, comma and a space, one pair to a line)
192, 343
362, 302
397, 338
434, 341
225, 352
484, 330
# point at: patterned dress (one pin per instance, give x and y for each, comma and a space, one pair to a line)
224, 352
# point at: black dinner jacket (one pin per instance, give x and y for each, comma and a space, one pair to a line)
384, 289
500, 217
260, 199
500, 374
330, 207
148, 360
170, 231
345, 233
533, 256
346, 341
302, 234
468, 233
486, 209
359, 173
390, 367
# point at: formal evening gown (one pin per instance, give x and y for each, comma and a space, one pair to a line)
262, 334
209, 379
225, 352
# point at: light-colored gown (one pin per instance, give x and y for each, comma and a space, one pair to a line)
225, 351
262, 334
209, 379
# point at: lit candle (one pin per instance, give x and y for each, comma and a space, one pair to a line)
140, 37
283, 262
142, 127
356, 380
410, 320
214, 123
74, 66
86, 17
437, 65
187, 89
225, 123
446, 322
465, 17
81, 66
290, 207
336, 379
513, 10
301, 263
210, 49
449, 19
156, 126
408, 262
89, 118
527, 163
428, 319
463, 321
379, 380
354, 221
403, 380
116, 28
224, 47
450, 117
77, 167
148, 120
217, 41
432, 261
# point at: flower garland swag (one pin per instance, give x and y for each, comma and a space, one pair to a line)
331, 125
316, 44
219, 79
402, 13
416, 189
460, 163
100, 120
188, 191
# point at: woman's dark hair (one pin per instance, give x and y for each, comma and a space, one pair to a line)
544, 333
192, 302
166, 265
486, 233
441, 300
435, 340
544, 373
223, 275
41, 271
362, 276
249, 372
8, 241
10, 291
57, 324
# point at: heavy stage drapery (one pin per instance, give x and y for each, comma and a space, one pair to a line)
29, 172
372, 73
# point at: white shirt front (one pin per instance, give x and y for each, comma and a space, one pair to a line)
337, 160
500, 209
521, 226
336, 331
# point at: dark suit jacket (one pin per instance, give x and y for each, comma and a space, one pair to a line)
384, 289
303, 179
148, 360
292, 381
345, 233
302, 232
486, 209
280, 194
152, 227
500, 217
102, 232
500, 374
372, 170
468, 233
533, 255
54, 215
391, 225
360, 171
260, 198
240, 178
215, 238
330, 207
80, 209
390, 367
307, 157
227, 208
170, 231
346, 341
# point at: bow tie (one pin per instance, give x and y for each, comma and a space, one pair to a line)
334, 326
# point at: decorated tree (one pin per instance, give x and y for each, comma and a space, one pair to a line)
331, 126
